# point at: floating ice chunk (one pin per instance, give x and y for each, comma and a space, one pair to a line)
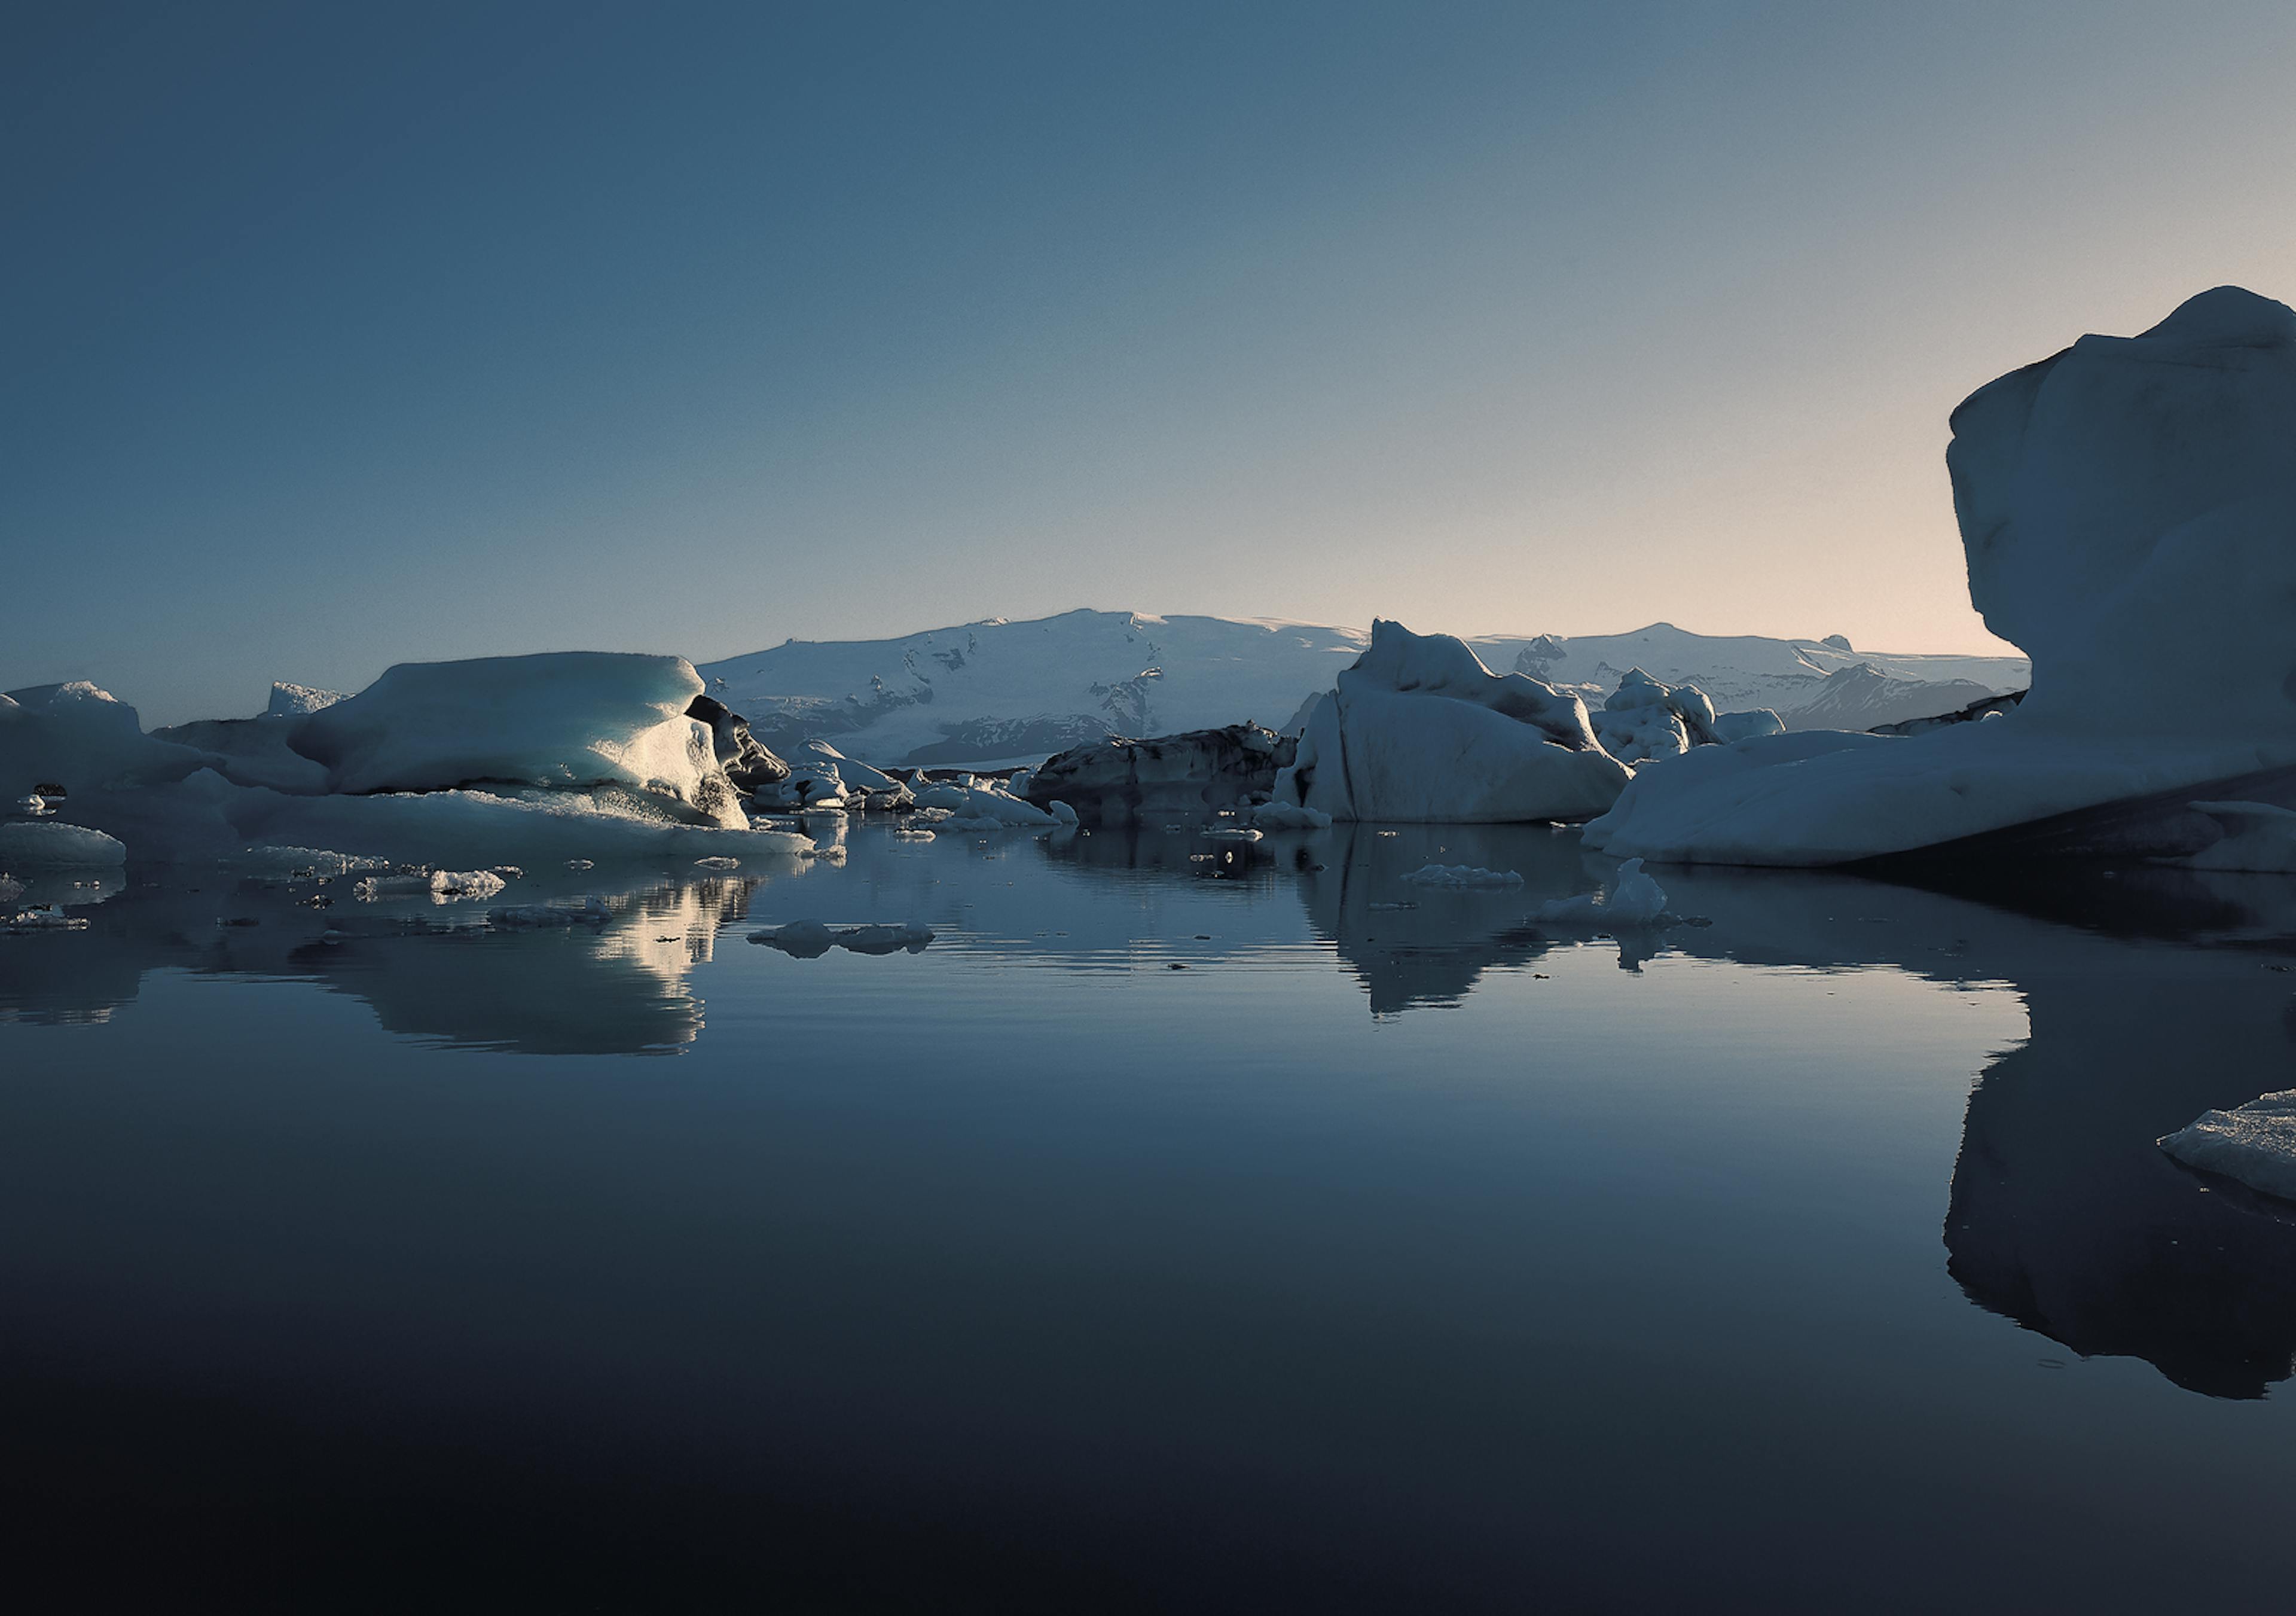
442, 886
31, 807
850, 773
983, 802
913, 836
1635, 900
52, 844
1462, 876
46, 917
579, 865
718, 862
1061, 812
812, 938
1232, 832
2258, 836
1289, 816
2254, 1144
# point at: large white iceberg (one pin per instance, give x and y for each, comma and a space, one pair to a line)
228, 785
560, 719
2128, 504
1419, 730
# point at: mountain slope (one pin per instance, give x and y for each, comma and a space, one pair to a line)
1001, 690
1007, 692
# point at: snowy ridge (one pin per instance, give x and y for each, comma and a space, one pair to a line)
999, 691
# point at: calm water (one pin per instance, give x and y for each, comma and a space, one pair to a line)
1815, 1258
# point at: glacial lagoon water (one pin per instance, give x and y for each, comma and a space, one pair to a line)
1187, 1226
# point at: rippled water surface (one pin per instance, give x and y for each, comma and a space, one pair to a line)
1187, 1226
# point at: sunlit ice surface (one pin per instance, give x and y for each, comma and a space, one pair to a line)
1187, 1224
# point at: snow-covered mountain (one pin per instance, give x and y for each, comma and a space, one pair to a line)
1000, 692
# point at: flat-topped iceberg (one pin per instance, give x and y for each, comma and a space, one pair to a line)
1419, 730
2128, 492
560, 719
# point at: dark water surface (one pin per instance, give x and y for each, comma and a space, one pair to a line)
1817, 1258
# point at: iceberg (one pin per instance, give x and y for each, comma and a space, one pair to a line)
50, 844
296, 701
560, 719
2128, 492
2253, 1144
1645, 719
1635, 900
1121, 781
1418, 730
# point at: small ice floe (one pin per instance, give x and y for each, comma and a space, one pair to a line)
46, 917
509, 872
2253, 1144
913, 836
31, 807
930, 816
812, 938
1290, 817
1635, 900
578, 864
1462, 876
588, 910
1231, 833
442, 886
1061, 812
718, 862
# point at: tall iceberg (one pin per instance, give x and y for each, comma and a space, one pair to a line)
2127, 504
1419, 730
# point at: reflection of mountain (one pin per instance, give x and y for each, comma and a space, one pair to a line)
429, 971
2063, 1215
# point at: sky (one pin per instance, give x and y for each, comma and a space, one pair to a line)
332, 337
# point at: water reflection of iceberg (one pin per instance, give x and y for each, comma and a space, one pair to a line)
1412, 946
429, 971
2062, 1215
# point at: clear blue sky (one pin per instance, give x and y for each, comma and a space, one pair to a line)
343, 335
